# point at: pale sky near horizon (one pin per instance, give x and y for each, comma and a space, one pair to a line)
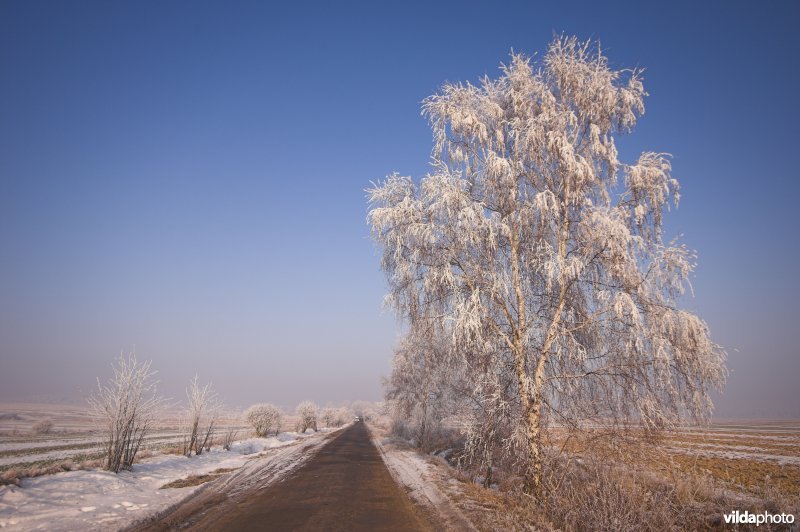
187, 179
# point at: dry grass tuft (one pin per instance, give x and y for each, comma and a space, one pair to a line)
172, 449
15, 475
492, 510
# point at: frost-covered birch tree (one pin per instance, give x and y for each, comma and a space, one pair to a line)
542, 253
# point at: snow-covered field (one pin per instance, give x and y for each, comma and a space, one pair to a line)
100, 500
24, 453
776, 442
19, 418
72, 437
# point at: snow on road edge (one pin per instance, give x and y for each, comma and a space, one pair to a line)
409, 469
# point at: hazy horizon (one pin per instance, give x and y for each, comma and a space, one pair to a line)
187, 180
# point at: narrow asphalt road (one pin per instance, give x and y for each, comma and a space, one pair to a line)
346, 486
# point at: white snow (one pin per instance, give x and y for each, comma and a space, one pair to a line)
780, 459
100, 500
409, 469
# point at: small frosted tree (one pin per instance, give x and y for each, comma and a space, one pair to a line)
328, 416
125, 410
201, 417
542, 253
264, 418
307, 416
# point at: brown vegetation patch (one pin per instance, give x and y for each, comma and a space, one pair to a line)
491, 510
13, 474
172, 449
752, 475
196, 480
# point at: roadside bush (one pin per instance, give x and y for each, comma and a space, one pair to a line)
264, 418
307, 414
228, 437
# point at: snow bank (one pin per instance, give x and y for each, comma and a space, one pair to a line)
410, 470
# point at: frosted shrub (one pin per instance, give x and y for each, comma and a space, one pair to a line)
264, 418
125, 410
307, 414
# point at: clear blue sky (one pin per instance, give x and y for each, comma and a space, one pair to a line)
187, 178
